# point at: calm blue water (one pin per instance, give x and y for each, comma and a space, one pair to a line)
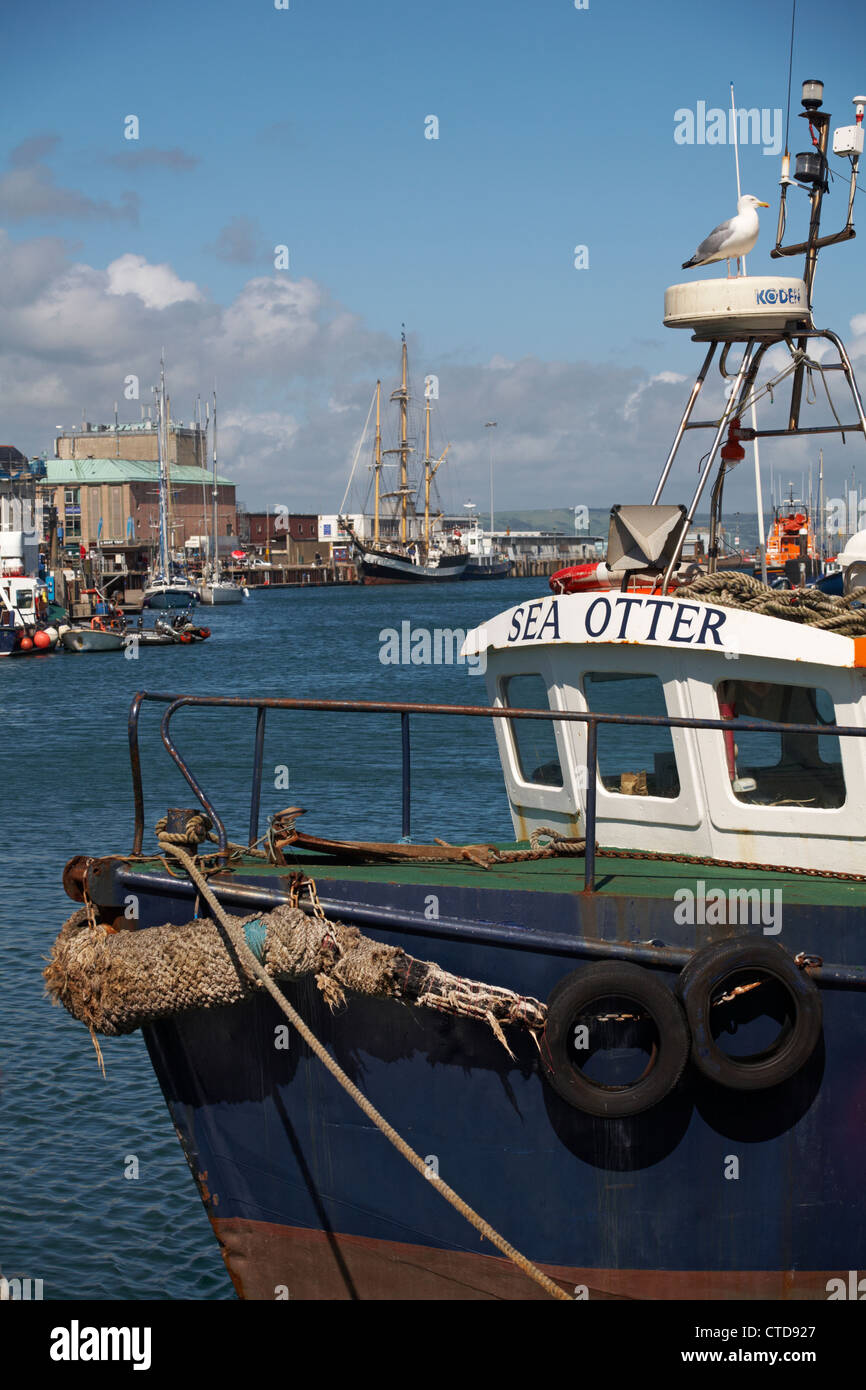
68, 1215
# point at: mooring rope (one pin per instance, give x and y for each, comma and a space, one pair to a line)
245, 954
811, 607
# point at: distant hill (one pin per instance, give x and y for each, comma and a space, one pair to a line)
549, 519
743, 524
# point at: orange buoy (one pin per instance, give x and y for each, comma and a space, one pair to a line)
26, 644
41, 639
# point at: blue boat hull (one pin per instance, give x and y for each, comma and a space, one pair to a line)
309, 1200
173, 599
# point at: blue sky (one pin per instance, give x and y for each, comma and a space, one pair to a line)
306, 127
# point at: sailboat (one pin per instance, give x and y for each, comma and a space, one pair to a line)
215, 589
421, 551
166, 588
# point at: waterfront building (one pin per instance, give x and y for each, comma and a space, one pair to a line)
107, 501
286, 538
104, 482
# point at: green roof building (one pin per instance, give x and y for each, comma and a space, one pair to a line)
105, 500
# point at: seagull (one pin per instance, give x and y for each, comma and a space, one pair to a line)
732, 239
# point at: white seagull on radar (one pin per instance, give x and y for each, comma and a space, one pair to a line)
732, 239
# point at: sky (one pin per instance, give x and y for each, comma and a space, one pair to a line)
308, 127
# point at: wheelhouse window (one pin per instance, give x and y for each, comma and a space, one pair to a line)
778, 769
534, 739
633, 759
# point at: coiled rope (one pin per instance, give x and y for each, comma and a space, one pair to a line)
810, 607
243, 951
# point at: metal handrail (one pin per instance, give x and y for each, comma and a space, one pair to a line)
263, 703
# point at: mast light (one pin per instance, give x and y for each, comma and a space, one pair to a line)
809, 167
813, 94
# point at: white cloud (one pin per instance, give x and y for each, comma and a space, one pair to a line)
295, 373
156, 286
665, 378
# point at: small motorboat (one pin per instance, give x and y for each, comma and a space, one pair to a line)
104, 631
169, 632
100, 635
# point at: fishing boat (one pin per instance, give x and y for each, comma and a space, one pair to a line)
626, 1047
167, 585
485, 561
25, 629
215, 589
406, 547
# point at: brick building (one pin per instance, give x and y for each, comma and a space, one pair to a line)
109, 500
187, 444
290, 538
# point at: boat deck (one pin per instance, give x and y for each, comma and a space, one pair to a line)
630, 877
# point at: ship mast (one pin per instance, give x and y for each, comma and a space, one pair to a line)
378, 464
200, 464
404, 445
821, 540
167, 451
403, 449
427, 474
215, 565
163, 473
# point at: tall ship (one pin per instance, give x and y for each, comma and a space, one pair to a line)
407, 545
619, 1055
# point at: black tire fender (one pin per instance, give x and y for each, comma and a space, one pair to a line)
703, 980
571, 998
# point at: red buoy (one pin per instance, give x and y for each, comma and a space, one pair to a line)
26, 644
41, 639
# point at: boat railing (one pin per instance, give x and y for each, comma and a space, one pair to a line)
261, 704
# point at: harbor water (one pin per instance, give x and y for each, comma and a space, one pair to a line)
96, 1199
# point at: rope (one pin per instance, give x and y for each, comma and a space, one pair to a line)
244, 953
560, 845
357, 454
810, 607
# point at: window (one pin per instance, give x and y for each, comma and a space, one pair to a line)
774, 769
72, 513
633, 759
534, 739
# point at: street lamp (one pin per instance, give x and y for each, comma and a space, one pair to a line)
491, 425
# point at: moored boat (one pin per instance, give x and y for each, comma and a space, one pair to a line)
216, 590
167, 586
24, 627
415, 547
792, 547
630, 1038
97, 637
485, 561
